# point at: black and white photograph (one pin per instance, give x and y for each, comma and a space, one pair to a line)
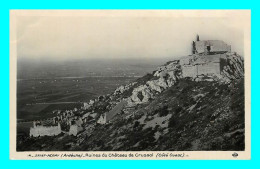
131, 81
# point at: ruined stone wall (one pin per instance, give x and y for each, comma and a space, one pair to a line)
74, 130
45, 131
206, 59
189, 71
215, 46
219, 46
226, 66
208, 69
200, 46
201, 65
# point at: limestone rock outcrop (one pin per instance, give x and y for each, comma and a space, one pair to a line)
234, 69
168, 76
145, 94
223, 67
122, 88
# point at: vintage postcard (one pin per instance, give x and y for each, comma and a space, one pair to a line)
130, 84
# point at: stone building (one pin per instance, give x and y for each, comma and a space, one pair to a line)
208, 59
75, 129
76, 126
209, 47
211, 60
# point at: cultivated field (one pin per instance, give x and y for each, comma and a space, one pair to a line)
37, 98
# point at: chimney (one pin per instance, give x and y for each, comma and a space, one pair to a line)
198, 38
193, 47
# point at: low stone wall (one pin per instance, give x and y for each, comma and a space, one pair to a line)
45, 131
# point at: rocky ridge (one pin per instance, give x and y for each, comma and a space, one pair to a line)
170, 112
170, 73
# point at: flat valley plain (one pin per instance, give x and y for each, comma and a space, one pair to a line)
45, 86
37, 98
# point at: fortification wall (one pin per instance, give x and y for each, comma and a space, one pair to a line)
189, 71
208, 69
201, 65
45, 131
206, 59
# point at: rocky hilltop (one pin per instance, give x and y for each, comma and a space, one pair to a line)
223, 68
195, 102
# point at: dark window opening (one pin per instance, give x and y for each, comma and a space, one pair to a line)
208, 48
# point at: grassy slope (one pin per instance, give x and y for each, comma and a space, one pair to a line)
199, 116
204, 116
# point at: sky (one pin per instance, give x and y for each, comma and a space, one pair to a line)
115, 36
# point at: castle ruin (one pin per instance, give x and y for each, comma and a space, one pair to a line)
209, 46
208, 58
40, 130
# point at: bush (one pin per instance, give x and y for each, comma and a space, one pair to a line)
99, 143
178, 109
163, 112
172, 122
136, 124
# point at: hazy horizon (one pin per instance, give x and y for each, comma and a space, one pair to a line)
33, 68
113, 43
106, 37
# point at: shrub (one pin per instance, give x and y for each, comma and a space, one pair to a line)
136, 124
172, 122
178, 109
163, 112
